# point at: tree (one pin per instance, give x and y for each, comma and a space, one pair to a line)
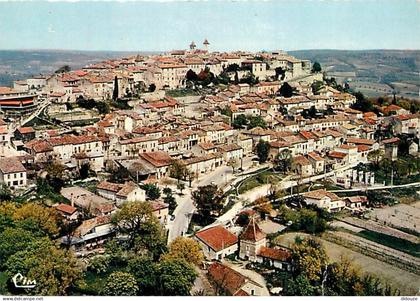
121, 284
300, 286
280, 73
286, 90
152, 191
375, 157
185, 248
5, 193
13, 240
7, 209
176, 277
240, 122
115, 91
178, 170
37, 219
309, 258
362, 103
120, 175
233, 163
84, 170
316, 86
181, 187
63, 69
55, 270
191, 76
316, 67
137, 221
208, 200
99, 264
256, 121
262, 149
263, 204
283, 161
169, 199
55, 169
145, 271
152, 88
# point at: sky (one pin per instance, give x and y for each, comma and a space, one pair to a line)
159, 25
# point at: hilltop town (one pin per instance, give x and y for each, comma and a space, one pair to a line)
214, 170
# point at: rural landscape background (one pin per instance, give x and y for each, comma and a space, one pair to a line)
373, 72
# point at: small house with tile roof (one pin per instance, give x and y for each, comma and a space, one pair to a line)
217, 242
228, 281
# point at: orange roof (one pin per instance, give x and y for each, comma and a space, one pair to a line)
157, 159
276, 254
230, 280
217, 238
66, 208
252, 232
338, 155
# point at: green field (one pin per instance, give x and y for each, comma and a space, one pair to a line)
392, 242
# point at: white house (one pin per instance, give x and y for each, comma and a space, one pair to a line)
217, 242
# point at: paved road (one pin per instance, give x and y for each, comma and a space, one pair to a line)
182, 213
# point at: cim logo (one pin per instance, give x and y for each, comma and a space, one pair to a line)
21, 281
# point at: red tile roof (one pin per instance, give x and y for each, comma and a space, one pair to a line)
252, 232
275, 254
227, 278
217, 238
66, 208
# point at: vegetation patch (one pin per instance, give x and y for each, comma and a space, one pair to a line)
392, 242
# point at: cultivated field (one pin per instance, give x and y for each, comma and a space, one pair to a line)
406, 282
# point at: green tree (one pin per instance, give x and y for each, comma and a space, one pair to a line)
63, 69
178, 170
121, 284
233, 163
262, 150
309, 258
169, 199
5, 193
137, 221
176, 277
240, 122
316, 67
301, 286
146, 273
38, 219
180, 186
99, 263
256, 121
362, 103
13, 240
283, 161
55, 270
375, 157
115, 91
208, 200
286, 90
152, 191
84, 171
185, 248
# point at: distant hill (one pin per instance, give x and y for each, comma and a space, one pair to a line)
21, 64
374, 72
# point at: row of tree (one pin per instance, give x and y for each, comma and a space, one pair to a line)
315, 274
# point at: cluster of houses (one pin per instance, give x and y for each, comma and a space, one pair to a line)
159, 130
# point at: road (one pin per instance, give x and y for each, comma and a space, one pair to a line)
183, 212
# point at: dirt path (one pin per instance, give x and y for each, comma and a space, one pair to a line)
406, 282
